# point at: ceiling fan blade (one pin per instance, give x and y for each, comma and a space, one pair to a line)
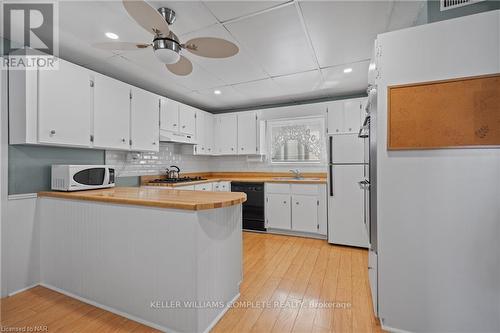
146, 16
211, 47
182, 67
123, 46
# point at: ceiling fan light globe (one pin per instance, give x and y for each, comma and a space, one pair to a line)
167, 56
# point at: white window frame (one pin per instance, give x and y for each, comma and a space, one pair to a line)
271, 122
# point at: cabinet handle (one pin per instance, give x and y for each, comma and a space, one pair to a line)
297, 203
232, 148
175, 125
337, 130
154, 143
242, 148
123, 140
52, 132
284, 202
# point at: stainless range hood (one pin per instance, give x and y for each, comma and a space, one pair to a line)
168, 136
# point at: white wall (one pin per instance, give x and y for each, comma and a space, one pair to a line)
439, 210
3, 170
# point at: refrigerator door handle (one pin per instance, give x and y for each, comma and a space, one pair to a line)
330, 153
331, 179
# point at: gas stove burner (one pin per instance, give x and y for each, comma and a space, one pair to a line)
177, 180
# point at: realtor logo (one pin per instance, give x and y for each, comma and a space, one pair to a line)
29, 35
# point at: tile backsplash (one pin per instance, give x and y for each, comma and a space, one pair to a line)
137, 164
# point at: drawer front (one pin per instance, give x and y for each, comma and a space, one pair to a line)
187, 187
278, 188
305, 189
204, 187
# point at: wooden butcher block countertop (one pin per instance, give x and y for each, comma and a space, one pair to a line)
248, 177
178, 199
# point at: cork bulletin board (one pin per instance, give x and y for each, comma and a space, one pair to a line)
455, 113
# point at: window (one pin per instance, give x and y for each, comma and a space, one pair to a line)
299, 140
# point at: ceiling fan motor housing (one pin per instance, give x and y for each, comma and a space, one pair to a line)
167, 49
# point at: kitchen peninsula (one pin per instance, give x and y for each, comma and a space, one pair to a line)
169, 259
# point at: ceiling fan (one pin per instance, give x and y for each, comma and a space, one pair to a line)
167, 47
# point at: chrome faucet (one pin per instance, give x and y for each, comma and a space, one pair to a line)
296, 173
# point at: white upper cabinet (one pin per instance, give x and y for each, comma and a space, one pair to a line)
64, 105
145, 109
345, 116
111, 113
209, 133
200, 133
247, 133
169, 115
226, 134
187, 119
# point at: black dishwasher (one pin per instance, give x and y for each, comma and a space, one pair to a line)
253, 208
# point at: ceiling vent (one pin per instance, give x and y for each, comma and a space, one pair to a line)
450, 4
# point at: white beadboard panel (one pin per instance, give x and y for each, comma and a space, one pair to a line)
125, 257
22, 244
228, 10
344, 31
276, 39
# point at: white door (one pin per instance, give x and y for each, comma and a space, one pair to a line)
247, 133
111, 113
347, 148
352, 115
305, 213
227, 134
346, 223
278, 211
144, 127
64, 105
169, 115
209, 133
335, 117
201, 148
187, 119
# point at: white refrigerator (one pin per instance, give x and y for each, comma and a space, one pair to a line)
348, 183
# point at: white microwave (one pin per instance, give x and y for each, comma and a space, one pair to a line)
82, 177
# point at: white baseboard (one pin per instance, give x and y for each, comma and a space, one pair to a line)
295, 233
23, 289
110, 309
134, 318
220, 315
392, 329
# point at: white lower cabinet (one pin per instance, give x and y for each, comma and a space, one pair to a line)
223, 186
204, 187
278, 213
296, 207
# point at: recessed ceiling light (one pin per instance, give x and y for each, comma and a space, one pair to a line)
347, 70
111, 35
217, 92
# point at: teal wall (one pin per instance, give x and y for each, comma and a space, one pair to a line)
435, 14
29, 166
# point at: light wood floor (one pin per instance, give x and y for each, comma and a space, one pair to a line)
277, 270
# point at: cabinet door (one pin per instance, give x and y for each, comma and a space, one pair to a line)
145, 134
305, 213
278, 212
352, 115
64, 105
335, 117
209, 133
201, 148
247, 133
346, 207
187, 119
227, 134
169, 115
204, 187
111, 113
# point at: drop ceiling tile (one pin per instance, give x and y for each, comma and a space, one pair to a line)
190, 15
276, 40
300, 82
344, 31
259, 89
236, 69
228, 95
227, 10
336, 82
